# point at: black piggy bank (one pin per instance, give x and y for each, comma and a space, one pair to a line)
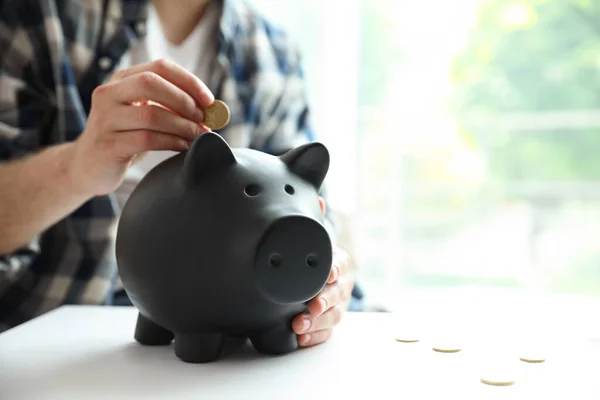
218, 245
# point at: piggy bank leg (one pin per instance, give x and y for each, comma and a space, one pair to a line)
278, 340
150, 334
199, 348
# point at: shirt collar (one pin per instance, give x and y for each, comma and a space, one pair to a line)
233, 20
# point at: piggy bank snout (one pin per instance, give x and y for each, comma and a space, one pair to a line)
293, 260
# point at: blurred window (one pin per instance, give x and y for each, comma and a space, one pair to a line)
465, 137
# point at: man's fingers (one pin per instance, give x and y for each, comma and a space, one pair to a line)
127, 118
148, 86
314, 338
339, 267
325, 311
341, 259
139, 141
176, 75
307, 323
329, 297
334, 273
321, 327
336, 267
329, 319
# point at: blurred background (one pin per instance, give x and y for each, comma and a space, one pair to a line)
465, 140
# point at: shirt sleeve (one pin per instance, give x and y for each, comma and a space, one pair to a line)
23, 110
283, 120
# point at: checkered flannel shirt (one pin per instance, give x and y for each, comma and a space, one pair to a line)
51, 59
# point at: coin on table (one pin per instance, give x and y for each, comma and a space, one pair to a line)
447, 348
532, 358
406, 338
498, 373
533, 353
217, 115
497, 381
406, 333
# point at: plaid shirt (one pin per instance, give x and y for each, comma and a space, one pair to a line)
51, 61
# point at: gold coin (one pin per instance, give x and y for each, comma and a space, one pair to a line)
532, 359
447, 348
498, 374
217, 115
441, 350
497, 382
406, 339
533, 353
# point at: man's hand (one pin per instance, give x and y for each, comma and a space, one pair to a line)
326, 310
154, 106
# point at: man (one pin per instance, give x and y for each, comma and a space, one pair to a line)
77, 132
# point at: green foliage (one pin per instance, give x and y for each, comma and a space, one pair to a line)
528, 56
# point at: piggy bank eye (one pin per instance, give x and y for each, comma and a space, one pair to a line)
252, 190
289, 189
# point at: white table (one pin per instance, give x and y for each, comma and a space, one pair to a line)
89, 353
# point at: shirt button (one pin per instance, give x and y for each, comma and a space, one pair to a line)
140, 27
105, 63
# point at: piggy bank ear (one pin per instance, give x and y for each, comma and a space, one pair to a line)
207, 154
309, 161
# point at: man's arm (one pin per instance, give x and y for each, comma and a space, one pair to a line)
37, 191
41, 185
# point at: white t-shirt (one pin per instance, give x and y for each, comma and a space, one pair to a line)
196, 54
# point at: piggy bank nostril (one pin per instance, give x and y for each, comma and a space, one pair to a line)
311, 261
289, 189
275, 260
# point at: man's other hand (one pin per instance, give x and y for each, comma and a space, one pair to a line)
326, 309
